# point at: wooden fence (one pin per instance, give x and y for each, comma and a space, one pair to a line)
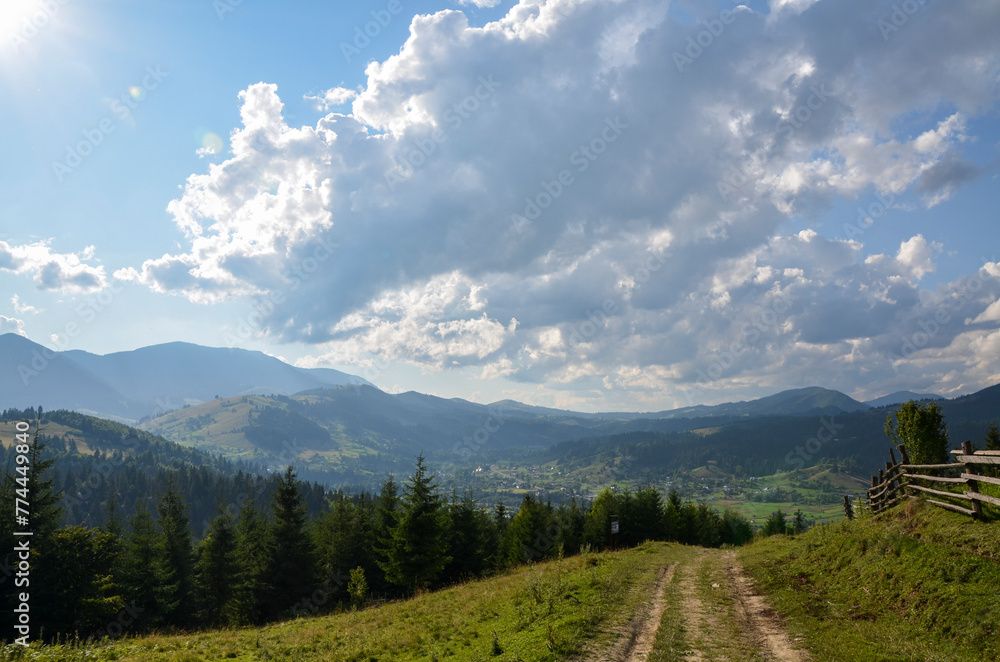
964, 476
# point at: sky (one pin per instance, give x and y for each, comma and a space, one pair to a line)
588, 204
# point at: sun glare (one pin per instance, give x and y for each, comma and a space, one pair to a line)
24, 18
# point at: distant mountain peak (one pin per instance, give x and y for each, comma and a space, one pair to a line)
900, 397
131, 385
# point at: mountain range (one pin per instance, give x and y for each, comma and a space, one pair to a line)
131, 386
340, 428
151, 381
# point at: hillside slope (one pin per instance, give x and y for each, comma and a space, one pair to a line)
916, 583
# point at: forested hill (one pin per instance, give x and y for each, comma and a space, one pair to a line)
96, 458
854, 441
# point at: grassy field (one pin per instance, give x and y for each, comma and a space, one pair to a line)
552, 611
915, 583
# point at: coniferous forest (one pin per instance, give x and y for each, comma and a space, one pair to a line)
276, 547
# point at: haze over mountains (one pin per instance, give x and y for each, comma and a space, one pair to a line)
151, 381
129, 386
340, 428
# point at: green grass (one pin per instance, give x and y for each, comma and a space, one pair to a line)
552, 611
916, 583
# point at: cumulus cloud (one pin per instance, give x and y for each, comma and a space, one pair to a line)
61, 272
12, 325
574, 195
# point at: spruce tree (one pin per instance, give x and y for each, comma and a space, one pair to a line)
992, 438
339, 546
531, 536
646, 521
253, 554
143, 575
85, 596
215, 572
176, 556
33, 483
418, 549
467, 540
291, 567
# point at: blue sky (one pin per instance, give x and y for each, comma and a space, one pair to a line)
574, 203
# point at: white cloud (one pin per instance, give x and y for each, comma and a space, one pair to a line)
332, 98
480, 3
658, 199
62, 272
21, 308
11, 325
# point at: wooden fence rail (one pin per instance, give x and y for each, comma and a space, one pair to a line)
902, 479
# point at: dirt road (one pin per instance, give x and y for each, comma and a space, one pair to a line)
705, 608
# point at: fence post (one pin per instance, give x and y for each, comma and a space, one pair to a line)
977, 507
903, 459
871, 494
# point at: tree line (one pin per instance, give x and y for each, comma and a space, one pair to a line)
273, 560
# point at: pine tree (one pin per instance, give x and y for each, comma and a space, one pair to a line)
799, 523
143, 580
86, 597
501, 522
215, 571
291, 566
176, 556
253, 554
339, 546
646, 522
775, 524
467, 540
34, 484
992, 438
419, 544
672, 527
531, 536
570, 522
